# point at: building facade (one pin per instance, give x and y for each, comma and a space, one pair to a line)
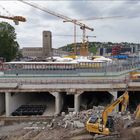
47, 44
45, 51
32, 52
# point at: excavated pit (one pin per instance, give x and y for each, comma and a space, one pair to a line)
90, 99
68, 102
134, 100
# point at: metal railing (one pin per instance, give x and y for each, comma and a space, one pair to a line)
116, 67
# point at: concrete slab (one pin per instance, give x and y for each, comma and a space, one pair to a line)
8, 85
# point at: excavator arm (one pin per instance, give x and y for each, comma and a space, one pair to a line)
97, 125
122, 99
137, 112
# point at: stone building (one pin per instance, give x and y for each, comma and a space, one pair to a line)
45, 51
47, 44
32, 52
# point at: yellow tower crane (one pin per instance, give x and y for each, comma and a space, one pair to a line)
8, 15
83, 27
85, 38
16, 19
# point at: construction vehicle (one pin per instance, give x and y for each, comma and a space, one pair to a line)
137, 112
103, 125
135, 76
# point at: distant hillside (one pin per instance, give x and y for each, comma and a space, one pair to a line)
93, 46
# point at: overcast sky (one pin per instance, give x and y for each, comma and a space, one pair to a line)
29, 34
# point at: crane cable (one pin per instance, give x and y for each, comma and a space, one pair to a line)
7, 12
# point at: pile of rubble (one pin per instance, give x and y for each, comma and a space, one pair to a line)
76, 119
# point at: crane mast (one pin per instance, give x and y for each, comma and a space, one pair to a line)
83, 27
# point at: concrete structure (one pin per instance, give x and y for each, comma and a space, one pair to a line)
2, 103
32, 52
14, 95
29, 89
45, 51
59, 52
77, 101
47, 44
58, 102
14, 100
115, 96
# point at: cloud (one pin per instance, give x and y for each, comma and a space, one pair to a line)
84, 9
129, 9
117, 30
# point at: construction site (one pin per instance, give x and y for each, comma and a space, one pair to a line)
71, 97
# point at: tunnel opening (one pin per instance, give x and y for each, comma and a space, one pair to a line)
26, 104
2, 104
68, 102
134, 100
98, 98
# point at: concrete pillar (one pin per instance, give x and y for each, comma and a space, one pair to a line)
58, 102
115, 96
104, 51
7, 102
2, 103
77, 100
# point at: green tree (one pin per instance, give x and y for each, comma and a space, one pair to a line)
92, 48
8, 44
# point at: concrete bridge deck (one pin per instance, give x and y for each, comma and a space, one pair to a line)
59, 89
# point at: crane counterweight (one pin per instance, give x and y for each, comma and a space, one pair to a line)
16, 19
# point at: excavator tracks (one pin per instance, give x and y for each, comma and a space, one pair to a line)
113, 136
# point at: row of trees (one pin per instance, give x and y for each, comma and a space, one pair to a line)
9, 47
93, 46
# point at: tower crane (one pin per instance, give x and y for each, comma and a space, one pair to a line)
83, 27
86, 19
75, 44
8, 15
16, 19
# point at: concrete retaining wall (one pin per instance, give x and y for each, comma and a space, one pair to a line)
2, 103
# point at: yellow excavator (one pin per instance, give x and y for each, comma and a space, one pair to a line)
96, 125
137, 112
